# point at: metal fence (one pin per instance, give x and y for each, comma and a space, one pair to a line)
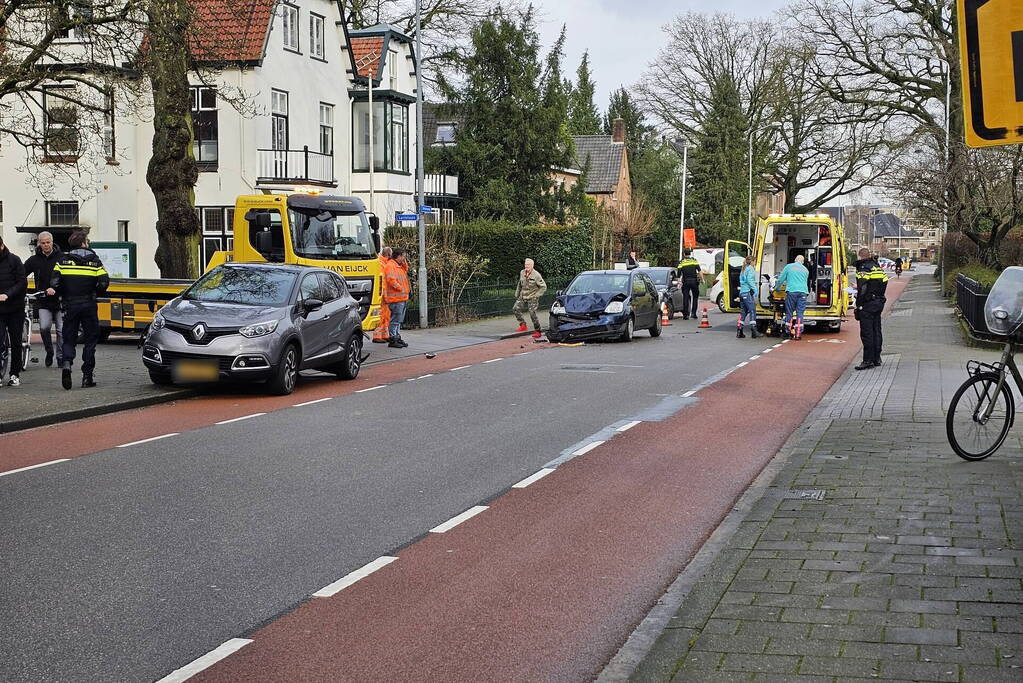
483, 299
970, 300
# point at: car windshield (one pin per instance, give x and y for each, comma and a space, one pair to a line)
320, 234
599, 282
246, 286
660, 277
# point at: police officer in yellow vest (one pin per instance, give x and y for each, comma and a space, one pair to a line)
689, 273
871, 287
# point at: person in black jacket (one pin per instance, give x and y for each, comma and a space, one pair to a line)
871, 287
40, 266
690, 274
77, 278
13, 285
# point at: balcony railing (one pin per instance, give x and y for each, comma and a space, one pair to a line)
296, 166
436, 185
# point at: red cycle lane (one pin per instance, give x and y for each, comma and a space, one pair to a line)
90, 435
549, 581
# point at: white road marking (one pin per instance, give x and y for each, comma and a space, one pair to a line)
630, 425
744, 363
239, 419
767, 350
458, 519
379, 386
587, 448
206, 661
754, 357
460, 367
778, 344
786, 341
688, 393
309, 403
32, 467
524, 353
493, 360
348, 579
532, 478
425, 376
152, 438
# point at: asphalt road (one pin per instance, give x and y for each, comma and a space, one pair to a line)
127, 563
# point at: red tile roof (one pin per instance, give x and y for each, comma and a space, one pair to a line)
362, 48
230, 30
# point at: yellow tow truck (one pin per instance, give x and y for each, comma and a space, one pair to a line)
326, 231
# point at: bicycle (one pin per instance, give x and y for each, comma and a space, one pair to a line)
978, 427
26, 342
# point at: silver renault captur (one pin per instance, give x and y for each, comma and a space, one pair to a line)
256, 321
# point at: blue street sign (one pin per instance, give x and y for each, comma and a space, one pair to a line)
402, 217
425, 209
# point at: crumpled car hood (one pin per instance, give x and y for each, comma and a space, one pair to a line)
590, 302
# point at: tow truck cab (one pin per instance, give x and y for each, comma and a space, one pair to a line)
779, 239
325, 231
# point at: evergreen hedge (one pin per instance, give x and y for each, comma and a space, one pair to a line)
559, 251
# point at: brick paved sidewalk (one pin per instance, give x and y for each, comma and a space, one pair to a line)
909, 568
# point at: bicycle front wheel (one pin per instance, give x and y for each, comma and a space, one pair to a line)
972, 435
5, 357
26, 344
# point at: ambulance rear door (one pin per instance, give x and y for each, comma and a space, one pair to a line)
735, 258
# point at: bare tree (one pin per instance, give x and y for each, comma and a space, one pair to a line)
629, 222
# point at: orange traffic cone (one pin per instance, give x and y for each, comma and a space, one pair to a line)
704, 320
665, 320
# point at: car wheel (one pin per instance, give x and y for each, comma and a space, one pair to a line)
671, 309
160, 379
350, 366
721, 302
286, 374
655, 331
630, 328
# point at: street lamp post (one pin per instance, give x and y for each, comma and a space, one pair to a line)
424, 317
749, 215
682, 147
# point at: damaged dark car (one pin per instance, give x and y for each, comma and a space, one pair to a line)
605, 304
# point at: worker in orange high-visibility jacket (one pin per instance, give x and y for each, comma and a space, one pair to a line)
381, 335
396, 291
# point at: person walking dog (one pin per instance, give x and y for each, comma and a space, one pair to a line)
528, 290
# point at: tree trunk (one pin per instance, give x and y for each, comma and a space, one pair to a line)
172, 171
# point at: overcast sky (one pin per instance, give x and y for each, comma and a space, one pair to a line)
623, 36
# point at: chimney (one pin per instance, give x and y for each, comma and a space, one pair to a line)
618, 131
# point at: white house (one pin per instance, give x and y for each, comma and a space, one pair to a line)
293, 62
386, 57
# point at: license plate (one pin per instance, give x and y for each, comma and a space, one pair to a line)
196, 371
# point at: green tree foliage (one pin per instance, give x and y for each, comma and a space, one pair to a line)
718, 198
637, 131
514, 128
583, 115
656, 173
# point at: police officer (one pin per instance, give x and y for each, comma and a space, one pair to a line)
689, 272
871, 285
77, 278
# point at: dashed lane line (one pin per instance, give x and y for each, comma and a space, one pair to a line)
754, 357
688, 393
239, 419
629, 425
533, 478
458, 519
363, 391
309, 403
350, 578
32, 467
206, 661
461, 367
742, 364
587, 448
152, 438
493, 360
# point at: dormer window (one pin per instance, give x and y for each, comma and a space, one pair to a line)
290, 20
445, 133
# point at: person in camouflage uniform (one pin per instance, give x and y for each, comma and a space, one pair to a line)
530, 288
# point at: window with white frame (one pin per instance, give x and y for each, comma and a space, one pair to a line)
217, 223
78, 10
326, 128
392, 68
290, 18
316, 35
390, 136
278, 119
205, 126
61, 213
60, 118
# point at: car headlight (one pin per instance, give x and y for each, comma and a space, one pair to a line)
158, 323
259, 329
558, 309
615, 307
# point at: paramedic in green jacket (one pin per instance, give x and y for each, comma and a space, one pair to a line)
795, 277
748, 288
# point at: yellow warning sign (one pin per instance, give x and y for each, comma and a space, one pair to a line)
991, 48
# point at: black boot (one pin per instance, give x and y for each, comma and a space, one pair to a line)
739, 334
87, 381
865, 365
49, 358
65, 378
753, 332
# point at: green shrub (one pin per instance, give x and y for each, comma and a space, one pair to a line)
984, 276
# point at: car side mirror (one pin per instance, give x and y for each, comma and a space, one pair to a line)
259, 221
310, 305
559, 292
